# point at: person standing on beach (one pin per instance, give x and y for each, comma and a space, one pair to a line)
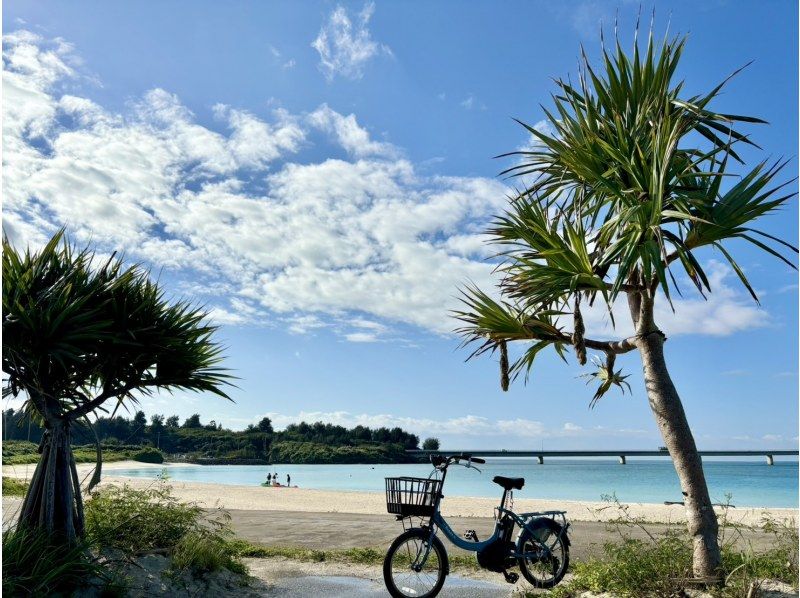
269, 478
288, 480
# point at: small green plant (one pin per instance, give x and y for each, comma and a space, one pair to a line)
14, 487
204, 551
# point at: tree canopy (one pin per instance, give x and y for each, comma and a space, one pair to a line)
625, 188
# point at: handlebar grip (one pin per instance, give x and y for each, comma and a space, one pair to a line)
477, 460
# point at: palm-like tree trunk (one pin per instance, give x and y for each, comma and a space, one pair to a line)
671, 419
53, 501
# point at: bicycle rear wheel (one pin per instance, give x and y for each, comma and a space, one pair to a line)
404, 572
548, 545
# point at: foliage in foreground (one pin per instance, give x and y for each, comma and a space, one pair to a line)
33, 565
153, 520
204, 551
132, 521
662, 564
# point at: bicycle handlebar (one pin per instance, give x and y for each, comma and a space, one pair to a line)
440, 461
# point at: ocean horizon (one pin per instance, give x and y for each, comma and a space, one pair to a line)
743, 483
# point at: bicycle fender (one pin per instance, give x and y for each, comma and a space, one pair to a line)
538, 523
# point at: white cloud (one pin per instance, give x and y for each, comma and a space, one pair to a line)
345, 46
351, 245
727, 310
466, 426
350, 135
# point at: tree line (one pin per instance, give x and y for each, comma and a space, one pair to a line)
192, 437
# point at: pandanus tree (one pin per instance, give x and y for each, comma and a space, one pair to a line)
632, 182
80, 333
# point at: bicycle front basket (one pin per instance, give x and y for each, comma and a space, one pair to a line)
412, 497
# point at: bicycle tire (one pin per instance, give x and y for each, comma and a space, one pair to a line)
551, 528
436, 547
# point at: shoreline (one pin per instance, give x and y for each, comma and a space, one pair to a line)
239, 497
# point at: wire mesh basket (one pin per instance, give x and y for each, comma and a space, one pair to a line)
412, 497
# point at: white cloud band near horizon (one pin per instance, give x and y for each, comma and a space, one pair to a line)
358, 242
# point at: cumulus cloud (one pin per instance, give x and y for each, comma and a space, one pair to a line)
468, 431
345, 45
354, 244
725, 311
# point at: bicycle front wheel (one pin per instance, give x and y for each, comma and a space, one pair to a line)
406, 570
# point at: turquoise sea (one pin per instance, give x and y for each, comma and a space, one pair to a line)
750, 483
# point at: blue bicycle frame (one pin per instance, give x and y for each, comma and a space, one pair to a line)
526, 521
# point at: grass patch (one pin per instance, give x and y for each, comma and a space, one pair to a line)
205, 551
14, 487
355, 556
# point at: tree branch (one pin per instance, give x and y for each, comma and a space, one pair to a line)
104, 396
616, 347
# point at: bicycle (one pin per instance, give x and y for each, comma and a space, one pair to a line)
416, 563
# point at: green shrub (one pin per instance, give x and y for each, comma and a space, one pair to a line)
662, 565
149, 455
137, 520
204, 551
33, 565
638, 568
14, 487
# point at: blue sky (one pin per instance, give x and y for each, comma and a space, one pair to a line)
319, 173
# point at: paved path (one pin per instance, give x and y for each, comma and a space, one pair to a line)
346, 587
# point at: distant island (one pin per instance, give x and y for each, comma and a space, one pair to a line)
167, 439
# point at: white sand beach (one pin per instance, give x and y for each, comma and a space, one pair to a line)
328, 501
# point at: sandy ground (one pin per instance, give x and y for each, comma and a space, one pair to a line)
325, 501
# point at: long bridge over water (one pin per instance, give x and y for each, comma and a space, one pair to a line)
622, 455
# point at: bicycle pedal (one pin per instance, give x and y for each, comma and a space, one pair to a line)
511, 577
471, 535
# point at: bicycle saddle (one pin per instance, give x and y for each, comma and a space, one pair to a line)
509, 483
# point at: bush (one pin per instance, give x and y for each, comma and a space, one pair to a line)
149, 455
138, 520
205, 551
662, 565
33, 565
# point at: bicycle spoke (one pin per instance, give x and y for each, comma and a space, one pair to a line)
409, 555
